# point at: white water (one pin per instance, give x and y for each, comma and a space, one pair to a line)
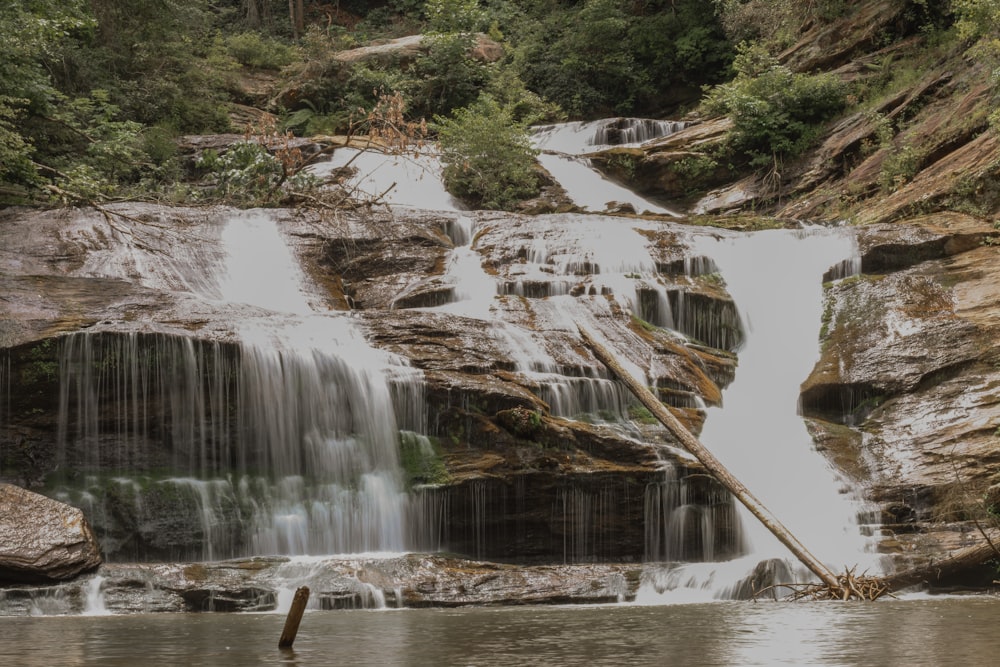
563, 148
291, 447
258, 267
398, 180
775, 278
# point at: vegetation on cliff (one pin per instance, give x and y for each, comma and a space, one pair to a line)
96, 92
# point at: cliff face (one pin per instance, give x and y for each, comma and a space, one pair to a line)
909, 348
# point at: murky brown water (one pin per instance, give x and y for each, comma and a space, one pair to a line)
931, 632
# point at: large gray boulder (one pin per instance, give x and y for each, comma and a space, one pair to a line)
42, 539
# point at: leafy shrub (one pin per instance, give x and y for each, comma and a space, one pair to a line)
775, 112
255, 50
248, 174
487, 155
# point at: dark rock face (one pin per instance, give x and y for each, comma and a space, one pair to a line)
43, 540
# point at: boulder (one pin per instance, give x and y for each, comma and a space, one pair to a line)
43, 539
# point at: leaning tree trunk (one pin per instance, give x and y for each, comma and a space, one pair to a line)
714, 466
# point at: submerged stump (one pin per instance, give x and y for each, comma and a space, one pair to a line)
294, 617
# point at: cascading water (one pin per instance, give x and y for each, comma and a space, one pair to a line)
285, 436
284, 443
775, 277
562, 152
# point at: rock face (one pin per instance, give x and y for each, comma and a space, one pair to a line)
42, 539
909, 363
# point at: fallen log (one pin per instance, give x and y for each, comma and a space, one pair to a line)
712, 464
961, 560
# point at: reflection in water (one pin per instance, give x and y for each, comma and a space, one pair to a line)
920, 632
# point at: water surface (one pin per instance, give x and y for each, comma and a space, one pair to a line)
916, 632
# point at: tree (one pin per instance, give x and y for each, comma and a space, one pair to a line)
449, 77
775, 112
487, 155
33, 33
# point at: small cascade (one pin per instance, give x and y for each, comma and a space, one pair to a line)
634, 131
562, 153
321, 427
283, 441
472, 288
580, 137
686, 522
93, 604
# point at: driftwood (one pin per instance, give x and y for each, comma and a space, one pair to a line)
962, 559
849, 586
712, 464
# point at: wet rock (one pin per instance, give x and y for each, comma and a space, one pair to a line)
382, 259
909, 361
253, 585
43, 540
732, 197
889, 247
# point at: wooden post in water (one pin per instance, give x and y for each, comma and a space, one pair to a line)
294, 617
712, 464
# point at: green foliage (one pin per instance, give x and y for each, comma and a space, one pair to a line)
775, 112
33, 34
454, 16
979, 21
249, 175
899, 167
253, 49
16, 150
579, 59
112, 147
487, 155
641, 414
774, 23
447, 77
976, 19
601, 57
421, 459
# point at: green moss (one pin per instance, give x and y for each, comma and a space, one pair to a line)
421, 459
641, 414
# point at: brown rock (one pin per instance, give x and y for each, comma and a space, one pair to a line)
42, 539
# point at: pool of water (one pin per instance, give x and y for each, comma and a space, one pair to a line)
912, 632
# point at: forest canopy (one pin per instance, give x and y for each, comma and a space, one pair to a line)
95, 93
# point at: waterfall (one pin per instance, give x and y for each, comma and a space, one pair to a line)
775, 278
285, 441
562, 153
288, 433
